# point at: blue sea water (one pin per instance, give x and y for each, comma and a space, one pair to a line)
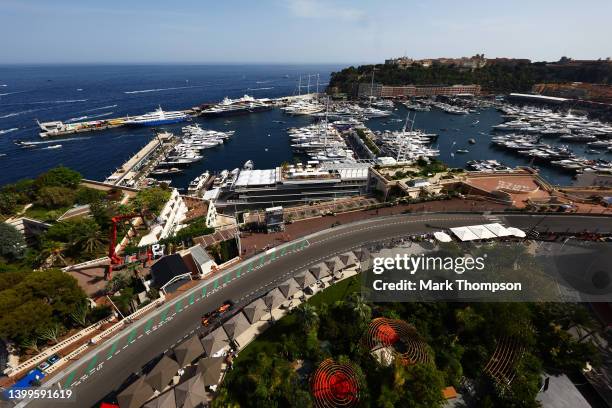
86, 92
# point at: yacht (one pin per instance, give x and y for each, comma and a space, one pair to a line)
246, 104
157, 118
161, 172
198, 183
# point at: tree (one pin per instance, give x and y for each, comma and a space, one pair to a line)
56, 288
55, 197
50, 333
151, 200
12, 243
25, 321
79, 314
307, 316
59, 177
419, 386
86, 195
52, 254
361, 309
8, 203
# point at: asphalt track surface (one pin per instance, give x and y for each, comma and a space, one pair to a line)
104, 369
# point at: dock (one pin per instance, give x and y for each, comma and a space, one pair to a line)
58, 128
138, 167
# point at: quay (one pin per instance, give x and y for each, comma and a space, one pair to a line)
59, 128
138, 167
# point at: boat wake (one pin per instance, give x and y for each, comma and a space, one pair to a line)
4, 132
81, 118
11, 93
3, 85
263, 82
100, 108
261, 89
43, 142
10, 115
51, 102
161, 89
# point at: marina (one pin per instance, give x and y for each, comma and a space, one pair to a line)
273, 128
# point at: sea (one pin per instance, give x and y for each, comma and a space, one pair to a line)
72, 93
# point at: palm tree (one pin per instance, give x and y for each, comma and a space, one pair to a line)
307, 316
52, 254
360, 307
90, 242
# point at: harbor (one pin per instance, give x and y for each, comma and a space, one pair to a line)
203, 154
227, 107
272, 128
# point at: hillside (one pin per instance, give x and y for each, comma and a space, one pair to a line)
494, 78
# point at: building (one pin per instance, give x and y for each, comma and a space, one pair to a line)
409, 91
474, 62
576, 90
275, 220
168, 271
29, 228
593, 179
202, 261
294, 184
169, 221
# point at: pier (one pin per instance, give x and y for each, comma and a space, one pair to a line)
58, 128
138, 167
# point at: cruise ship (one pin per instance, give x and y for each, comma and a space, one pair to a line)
246, 104
157, 118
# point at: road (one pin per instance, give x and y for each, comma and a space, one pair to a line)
104, 369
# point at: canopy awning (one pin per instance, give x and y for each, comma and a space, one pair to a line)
289, 288
464, 234
498, 229
254, 310
517, 232
273, 299
320, 270
215, 342
162, 373
442, 236
188, 351
482, 232
235, 326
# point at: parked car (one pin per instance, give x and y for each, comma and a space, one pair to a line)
53, 359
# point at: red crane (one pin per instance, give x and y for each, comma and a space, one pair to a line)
114, 259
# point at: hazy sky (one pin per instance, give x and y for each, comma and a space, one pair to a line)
57, 31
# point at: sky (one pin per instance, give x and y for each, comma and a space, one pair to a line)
299, 31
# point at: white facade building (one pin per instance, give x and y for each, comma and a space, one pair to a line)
169, 221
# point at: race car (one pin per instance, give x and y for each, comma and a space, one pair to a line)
216, 314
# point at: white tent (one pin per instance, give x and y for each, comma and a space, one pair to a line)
464, 234
498, 229
516, 232
482, 232
442, 236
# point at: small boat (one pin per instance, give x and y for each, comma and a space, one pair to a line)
159, 172
592, 151
248, 165
463, 151
57, 146
472, 141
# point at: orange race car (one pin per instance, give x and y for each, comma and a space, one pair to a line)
215, 314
